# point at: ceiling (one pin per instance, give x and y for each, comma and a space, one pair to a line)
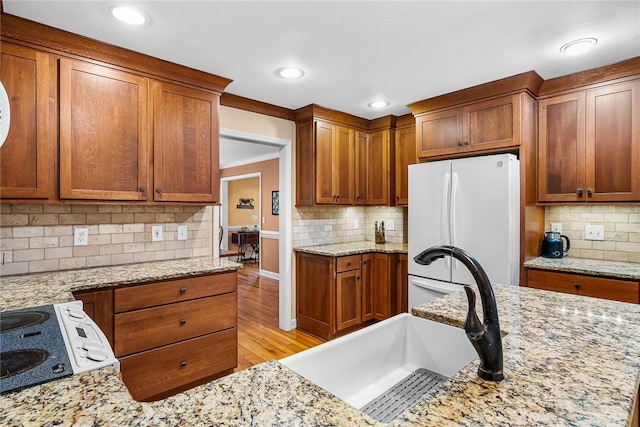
355, 52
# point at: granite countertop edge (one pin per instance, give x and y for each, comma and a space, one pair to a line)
353, 248
593, 267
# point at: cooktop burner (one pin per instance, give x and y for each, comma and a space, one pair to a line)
17, 361
15, 320
33, 349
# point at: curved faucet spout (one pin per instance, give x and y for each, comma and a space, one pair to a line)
485, 337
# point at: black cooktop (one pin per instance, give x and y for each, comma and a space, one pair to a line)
32, 349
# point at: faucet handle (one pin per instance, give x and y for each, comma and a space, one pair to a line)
473, 326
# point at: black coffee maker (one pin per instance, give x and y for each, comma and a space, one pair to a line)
552, 245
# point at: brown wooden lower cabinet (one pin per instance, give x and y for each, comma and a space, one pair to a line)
337, 295
169, 335
157, 373
590, 286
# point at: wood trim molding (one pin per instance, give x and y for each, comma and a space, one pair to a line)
405, 121
619, 70
53, 40
316, 111
529, 81
247, 104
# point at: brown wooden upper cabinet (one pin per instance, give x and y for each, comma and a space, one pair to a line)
27, 158
335, 163
373, 174
485, 125
185, 144
589, 145
405, 153
340, 161
103, 133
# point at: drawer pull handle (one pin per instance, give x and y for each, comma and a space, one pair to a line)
348, 264
183, 321
576, 285
183, 290
183, 364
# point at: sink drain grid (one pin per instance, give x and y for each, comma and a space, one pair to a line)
403, 395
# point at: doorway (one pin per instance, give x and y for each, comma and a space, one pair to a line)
286, 309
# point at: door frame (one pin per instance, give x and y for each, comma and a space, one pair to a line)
286, 307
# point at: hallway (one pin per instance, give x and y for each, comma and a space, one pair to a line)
259, 338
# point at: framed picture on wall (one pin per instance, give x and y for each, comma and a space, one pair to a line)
275, 203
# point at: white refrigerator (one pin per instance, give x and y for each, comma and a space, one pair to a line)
472, 203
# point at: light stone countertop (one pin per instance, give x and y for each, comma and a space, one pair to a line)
595, 267
569, 361
354, 248
30, 290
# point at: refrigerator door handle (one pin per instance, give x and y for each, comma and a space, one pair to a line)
454, 213
432, 285
445, 218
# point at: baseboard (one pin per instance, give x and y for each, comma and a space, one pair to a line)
270, 275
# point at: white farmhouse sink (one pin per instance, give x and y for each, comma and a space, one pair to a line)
360, 366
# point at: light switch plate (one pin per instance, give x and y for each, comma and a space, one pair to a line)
156, 233
182, 232
594, 232
556, 226
390, 224
80, 236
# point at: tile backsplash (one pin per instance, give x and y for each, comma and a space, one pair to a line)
36, 238
621, 230
323, 225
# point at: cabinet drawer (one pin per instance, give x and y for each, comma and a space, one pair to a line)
591, 286
157, 371
158, 293
346, 263
153, 327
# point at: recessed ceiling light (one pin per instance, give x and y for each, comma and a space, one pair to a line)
128, 15
289, 72
378, 104
579, 46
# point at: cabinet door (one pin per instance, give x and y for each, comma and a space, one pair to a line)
103, 133
305, 163
561, 155
348, 299
405, 156
344, 165
378, 154
385, 297
361, 168
492, 124
402, 281
613, 143
440, 133
186, 144
27, 158
315, 294
367, 287
324, 133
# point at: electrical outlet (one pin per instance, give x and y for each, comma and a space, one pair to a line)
80, 236
594, 232
182, 232
556, 226
156, 233
390, 224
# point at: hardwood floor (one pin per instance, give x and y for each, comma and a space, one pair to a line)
259, 338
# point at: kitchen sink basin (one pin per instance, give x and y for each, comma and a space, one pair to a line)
362, 366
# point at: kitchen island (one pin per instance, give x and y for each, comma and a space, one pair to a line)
568, 361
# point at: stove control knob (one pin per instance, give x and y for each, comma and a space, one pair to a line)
92, 345
97, 355
78, 314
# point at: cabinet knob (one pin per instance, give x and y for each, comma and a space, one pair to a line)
183, 321
459, 143
465, 143
348, 264
143, 189
589, 192
580, 191
576, 285
183, 364
183, 290
158, 190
